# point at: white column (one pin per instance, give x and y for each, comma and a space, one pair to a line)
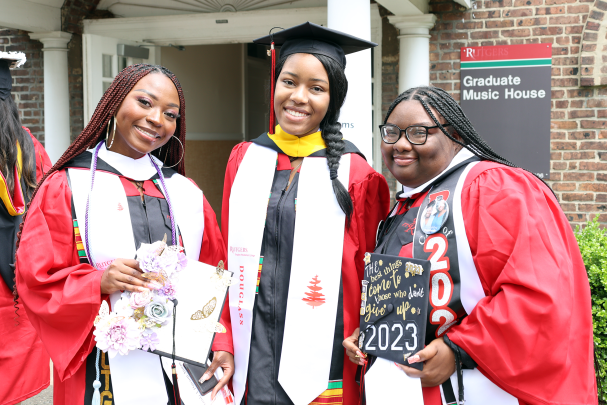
354, 17
56, 92
414, 59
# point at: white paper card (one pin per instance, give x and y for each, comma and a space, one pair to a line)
386, 383
201, 294
143, 373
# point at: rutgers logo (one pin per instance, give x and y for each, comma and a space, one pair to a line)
237, 249
441, 284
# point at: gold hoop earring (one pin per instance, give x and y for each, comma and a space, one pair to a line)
182, 154
107, 135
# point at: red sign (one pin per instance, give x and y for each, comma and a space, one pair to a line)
506, 52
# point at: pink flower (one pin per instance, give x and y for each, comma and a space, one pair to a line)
149, 341
140, 299
182, 261
168, 291
119, 336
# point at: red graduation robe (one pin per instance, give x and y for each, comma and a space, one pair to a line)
61, 295
532, 333
370, 197
24, 363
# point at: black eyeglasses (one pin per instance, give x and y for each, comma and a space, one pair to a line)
416, 134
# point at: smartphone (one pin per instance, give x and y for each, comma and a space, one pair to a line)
195, 373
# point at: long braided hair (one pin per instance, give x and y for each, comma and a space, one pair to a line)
96, 129
11, 134
446, 106
330, 128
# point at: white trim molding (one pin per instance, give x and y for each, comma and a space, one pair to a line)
203, 28
29, 16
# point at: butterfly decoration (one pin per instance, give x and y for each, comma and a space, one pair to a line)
206, 311
216, 327
220, 278
160, 277
104, 311
208, 326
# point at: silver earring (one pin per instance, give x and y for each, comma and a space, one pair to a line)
182, 154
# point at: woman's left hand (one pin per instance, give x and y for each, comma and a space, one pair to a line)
225, 360
438, 367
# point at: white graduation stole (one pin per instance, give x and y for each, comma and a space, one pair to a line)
317, 256
111, 237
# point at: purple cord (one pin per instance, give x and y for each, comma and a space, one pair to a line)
86, 215
166, 195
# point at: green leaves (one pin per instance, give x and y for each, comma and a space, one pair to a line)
592, 241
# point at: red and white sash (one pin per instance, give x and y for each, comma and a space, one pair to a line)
111, 237
313, 255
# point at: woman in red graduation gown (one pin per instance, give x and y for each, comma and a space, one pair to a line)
509, 317
137, 128
24, 363
301, 207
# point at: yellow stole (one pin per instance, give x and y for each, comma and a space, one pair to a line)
296, 146
15, 204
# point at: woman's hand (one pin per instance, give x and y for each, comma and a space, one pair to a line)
438, 367
225, 360
351, 346
125, 274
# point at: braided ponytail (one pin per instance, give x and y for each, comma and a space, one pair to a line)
96, 129
331, 129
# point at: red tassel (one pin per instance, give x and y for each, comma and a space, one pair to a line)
272, 78
175, 386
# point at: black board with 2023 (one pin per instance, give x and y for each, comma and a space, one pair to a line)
394, 307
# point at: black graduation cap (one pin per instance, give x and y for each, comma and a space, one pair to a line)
311, 38
8, 60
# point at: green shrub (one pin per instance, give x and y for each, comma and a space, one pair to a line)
593, 246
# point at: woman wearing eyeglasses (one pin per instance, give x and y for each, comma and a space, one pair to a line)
509, 318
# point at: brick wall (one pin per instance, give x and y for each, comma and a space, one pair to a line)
28, 81
579, 118
390, 51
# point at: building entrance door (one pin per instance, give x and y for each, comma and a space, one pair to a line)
101, 64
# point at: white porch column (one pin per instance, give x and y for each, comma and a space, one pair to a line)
56, 92
414, 61
354, 17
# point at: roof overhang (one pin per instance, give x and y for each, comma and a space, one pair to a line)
203, 28
30, 16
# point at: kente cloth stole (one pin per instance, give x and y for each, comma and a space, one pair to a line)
317, 260
111, 237
15, 202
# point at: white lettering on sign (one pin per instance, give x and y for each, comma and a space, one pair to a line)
490, 94
492, 81
481, 95
511, 93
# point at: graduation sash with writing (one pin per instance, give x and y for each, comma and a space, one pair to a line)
111, 237
455, 287
314, 255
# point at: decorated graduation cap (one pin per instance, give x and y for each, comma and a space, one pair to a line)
394, 307
8, 61
314, 39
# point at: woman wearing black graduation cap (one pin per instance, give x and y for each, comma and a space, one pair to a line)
301, 207
24, 364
